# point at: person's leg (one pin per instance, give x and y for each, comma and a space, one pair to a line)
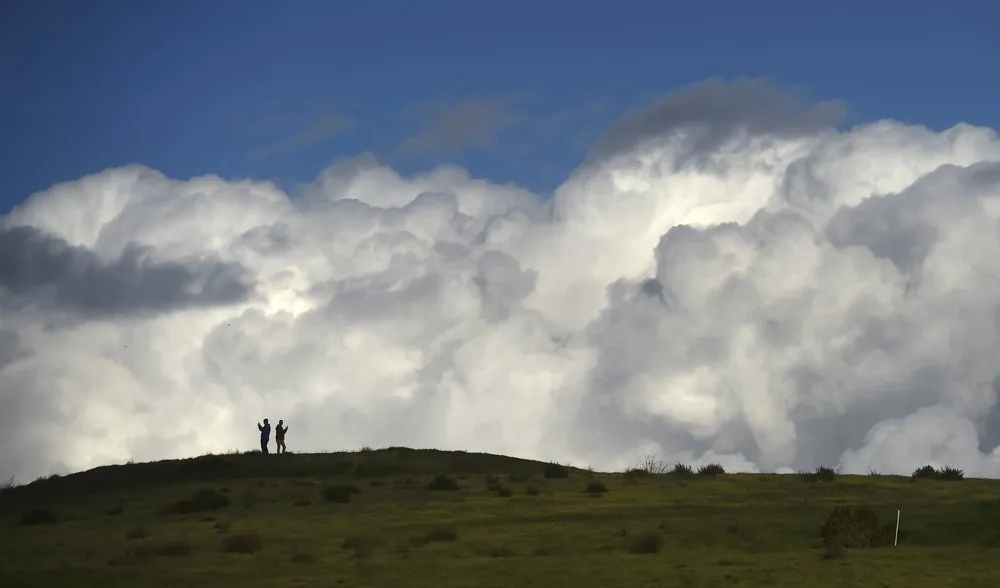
281, 446
263, 447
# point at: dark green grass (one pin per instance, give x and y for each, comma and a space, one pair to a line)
279, 530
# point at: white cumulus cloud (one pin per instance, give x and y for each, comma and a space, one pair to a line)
727, 277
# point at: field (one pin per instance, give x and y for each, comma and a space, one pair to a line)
395, 518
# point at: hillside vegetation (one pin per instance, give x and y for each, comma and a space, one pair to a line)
413, 518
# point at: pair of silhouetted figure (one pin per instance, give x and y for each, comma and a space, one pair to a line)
279, 436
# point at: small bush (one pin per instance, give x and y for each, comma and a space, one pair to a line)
734, 527
137, 533
947, 473
855, 527
517, 478
554, 471
652, 465
153, 548
443, 483
505, 492
436, 535
301, 502
636, 472
950, 474
824, 474
502, 552
249, 542
341, 494
531, 491
38, 516
362, 546
200, 501
712, 469
646, 544
115, 511
492, 484
596, 487
681, 469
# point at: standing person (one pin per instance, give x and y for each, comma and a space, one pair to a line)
279, 436
265, 436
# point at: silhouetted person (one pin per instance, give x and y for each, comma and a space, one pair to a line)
265, 436
279, 437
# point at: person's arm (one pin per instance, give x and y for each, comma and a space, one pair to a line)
259, 428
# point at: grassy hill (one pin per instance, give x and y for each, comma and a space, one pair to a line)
407, 518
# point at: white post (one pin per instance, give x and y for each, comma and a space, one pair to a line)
895, 540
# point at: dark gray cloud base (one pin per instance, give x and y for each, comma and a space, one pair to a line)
41, 269
727, 278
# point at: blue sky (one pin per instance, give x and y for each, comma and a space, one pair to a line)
514, 91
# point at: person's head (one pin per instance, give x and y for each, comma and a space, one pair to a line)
265, 421
280, 421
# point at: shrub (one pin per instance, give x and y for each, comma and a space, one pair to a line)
505, 492
855, 527
712, 469
824, 474
947, 473
681, 469
950, 474
554, 471
531, 491
301, 502
492, 484
249, 542
651, 465
362, 546
341, 494
647, 543
636, 472
436, 535
200, 501
443, 483
517, 478
151, 549
38, 516
734, 527
302, 557
115, 510
596, 487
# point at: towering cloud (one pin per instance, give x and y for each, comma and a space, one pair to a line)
727, 278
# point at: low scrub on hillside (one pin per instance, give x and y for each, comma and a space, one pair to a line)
947, 473
202, 500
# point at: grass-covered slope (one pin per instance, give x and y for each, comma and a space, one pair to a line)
401, 518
